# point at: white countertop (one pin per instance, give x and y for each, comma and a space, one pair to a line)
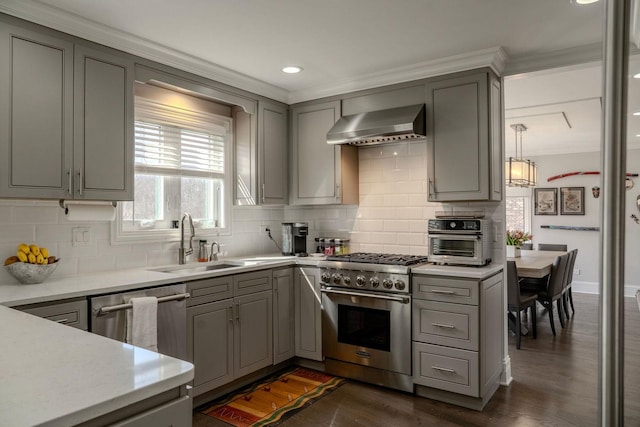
13, 294
56, 375
470, 272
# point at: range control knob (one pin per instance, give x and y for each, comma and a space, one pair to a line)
400, 285
346, 280
336, 278
360, 281
374, 282
326, 277
387, 283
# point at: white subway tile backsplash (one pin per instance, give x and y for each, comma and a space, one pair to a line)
397, 225
35, 214
412, 239
96, 264
394, 200
17, 233
408, 187
384, 238
371, 225
131, 261
407, 212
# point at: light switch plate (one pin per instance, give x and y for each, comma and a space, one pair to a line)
80, 236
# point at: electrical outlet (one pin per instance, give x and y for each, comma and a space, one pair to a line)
264, 228
80, 236
576, 272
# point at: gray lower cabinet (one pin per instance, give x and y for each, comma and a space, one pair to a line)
457, 338
67, 112
283, 315
320, 173
229, 328
308, 313
464, 137
66, 312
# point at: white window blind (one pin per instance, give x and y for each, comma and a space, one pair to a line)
174, 141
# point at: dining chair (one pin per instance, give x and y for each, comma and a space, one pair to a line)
566, 284
518, 301
552, 247
568, 293
553, 293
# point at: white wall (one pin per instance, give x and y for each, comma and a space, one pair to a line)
392, 217
587, 242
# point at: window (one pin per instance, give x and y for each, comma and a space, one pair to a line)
518, 207
182, 162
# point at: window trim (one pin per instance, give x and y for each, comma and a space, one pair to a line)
119, 236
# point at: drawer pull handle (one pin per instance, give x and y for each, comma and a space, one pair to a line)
443, 325
62, 321
438, 291
447, 370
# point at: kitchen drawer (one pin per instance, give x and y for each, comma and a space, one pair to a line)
446, 368
453, 325
248, 283
71, 313
209, 290
446, 289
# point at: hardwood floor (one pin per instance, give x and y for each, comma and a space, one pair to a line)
555, 384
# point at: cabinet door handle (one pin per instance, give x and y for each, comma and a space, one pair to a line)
238, 311
443, 325
447, 370
230, 308
70, 178
337, 191
262, 197
438, 291
431, 190
80, 181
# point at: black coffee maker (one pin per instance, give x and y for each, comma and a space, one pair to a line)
294, 238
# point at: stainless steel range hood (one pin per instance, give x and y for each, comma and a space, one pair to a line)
379, 127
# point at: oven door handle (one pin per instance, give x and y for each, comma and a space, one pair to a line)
404, 300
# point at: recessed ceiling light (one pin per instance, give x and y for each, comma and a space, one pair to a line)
292, 69
637, 113
636, 76
585, 1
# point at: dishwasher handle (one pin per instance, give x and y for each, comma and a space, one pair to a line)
110, 309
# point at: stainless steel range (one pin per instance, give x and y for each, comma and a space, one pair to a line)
366, 317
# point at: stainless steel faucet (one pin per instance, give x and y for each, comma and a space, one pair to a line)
214, 255
182, 253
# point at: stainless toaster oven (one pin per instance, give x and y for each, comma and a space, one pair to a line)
459, 241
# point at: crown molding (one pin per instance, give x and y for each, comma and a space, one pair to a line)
78, 26
495, 57
586, 54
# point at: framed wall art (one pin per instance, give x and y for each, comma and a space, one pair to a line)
572, 201
546, 201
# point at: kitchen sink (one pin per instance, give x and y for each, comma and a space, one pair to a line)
192, 269
204, 267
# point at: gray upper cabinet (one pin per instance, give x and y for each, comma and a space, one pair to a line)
272, 153
36, 114
320, 173
103, 137
66, 115
464, 137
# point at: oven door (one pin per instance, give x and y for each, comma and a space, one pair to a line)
460, 248
368, 329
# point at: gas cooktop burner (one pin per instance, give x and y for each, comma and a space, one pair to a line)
374, 258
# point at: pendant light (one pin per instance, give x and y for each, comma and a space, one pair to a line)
520, 172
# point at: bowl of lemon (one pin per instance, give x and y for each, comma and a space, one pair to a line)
31, 264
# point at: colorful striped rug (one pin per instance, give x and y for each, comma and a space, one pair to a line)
268, 403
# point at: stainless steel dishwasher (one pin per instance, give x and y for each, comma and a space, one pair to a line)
109, 314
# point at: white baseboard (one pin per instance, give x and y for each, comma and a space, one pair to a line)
594, 288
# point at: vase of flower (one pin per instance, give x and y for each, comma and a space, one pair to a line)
513, 251
515, 239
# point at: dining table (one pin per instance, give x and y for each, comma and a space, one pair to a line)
535, 264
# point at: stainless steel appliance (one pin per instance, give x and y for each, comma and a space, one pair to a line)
459, 241
108, 316
379, 127
366, 317
294, 238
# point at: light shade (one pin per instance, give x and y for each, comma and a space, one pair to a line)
292, 69
520, 173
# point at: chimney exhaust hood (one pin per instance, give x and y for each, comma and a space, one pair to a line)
379, 127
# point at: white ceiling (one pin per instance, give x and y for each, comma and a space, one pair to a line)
348, 45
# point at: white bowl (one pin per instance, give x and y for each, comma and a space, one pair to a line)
31, 273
